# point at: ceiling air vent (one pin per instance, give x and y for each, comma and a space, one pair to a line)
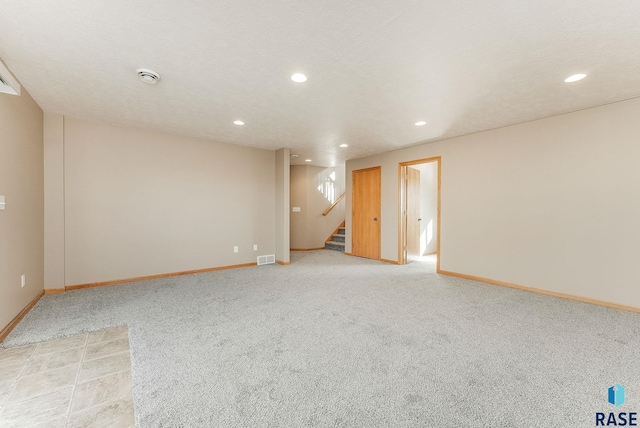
148, 76
267, 260
8, 83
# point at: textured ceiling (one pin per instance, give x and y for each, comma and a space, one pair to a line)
375, 67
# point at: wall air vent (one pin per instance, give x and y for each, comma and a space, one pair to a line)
266, 260
8, 83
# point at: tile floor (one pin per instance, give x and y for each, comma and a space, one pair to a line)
77, 381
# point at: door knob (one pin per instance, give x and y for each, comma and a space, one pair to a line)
375, 219
419, 219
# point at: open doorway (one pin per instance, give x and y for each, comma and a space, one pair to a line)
419, 211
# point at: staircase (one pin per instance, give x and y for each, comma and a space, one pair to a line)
336, 241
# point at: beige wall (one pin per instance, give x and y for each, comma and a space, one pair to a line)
551, 204
21, 223
309, 228
53, 201
141, 203
298, 198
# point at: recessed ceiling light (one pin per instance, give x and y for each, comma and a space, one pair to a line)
344, 145
238, 122
307, 160
299, 78
575, 78
294, 156
421, 123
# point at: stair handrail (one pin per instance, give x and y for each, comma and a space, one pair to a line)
328, 210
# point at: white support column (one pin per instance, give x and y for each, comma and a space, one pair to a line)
282, 205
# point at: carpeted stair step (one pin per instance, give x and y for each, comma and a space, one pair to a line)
338, 238
333, 245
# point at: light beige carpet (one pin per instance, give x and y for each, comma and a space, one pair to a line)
337, 341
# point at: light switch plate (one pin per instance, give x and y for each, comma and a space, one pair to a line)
2, 203
296, 209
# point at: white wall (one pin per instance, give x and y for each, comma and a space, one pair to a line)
21, 223
551, 204
141, 203
428, 207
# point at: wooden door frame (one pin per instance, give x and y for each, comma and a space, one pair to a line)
401, 198
353, 172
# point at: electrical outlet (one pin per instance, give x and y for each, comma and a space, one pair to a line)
235, 249
23, 280
255, 247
